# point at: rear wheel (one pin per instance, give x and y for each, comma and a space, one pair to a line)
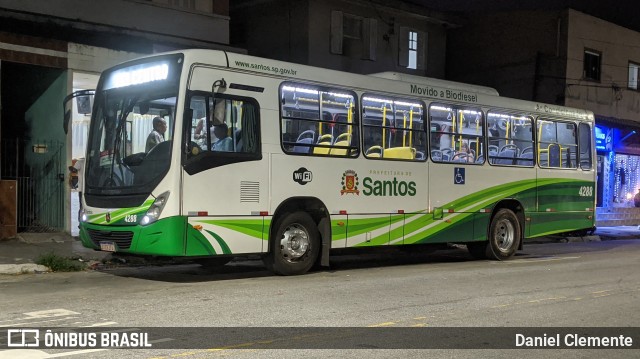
294, 246
504, 235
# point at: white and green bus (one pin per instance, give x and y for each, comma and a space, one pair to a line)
290, 161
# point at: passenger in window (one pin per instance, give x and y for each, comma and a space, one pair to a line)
465, 154
223, 142
157, 135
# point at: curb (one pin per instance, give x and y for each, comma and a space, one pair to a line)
24, 268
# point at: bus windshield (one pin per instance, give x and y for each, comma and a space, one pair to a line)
129, 144
130, 141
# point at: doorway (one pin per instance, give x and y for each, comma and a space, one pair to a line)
31, 151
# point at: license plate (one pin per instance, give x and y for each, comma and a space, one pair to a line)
108, 246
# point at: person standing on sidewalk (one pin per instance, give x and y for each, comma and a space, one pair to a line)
78, 170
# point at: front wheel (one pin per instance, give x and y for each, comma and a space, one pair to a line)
294, 246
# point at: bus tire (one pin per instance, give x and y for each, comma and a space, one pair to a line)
504, 235
295, 245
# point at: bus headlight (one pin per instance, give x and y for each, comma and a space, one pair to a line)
83, 216
153, 213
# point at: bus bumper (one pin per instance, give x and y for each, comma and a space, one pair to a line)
164, 237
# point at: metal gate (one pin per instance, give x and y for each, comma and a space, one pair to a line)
38, 166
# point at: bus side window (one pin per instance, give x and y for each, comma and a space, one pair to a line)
240, 119
393, 128
318, 121
235, 126
457, 134
510, 138
584, 131
557, 144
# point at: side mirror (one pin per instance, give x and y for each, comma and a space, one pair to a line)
84, 104
216, 107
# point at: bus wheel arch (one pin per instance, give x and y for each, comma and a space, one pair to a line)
505, 232
298, 236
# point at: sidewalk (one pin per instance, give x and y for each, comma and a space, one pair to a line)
620, 232
18, 255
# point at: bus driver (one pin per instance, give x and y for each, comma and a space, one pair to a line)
157, 135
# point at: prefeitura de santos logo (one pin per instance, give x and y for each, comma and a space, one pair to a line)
350, 182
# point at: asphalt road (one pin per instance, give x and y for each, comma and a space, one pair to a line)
572, 285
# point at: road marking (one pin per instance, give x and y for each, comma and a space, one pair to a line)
39, 321
57, 315
385, 324
103, 324
44, 314
184, 354
545, 299
532, 301
161, 340
39, 354
593, 295
51, 313
75, 352
533, 260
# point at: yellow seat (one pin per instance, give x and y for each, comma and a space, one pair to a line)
343, 140
374, 152
340, 151
405, 153
322, 150
325, 140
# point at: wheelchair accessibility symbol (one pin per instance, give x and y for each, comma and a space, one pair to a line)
458, 175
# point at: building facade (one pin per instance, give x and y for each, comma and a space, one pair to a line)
50, 49
349, 35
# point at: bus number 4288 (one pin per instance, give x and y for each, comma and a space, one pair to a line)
586, 191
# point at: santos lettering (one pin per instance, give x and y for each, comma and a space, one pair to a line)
388, 188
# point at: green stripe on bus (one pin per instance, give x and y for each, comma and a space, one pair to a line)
221, 242
250, 227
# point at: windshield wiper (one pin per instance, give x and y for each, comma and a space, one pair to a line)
116, 145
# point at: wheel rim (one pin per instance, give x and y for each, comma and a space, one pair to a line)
295, 242
504, 234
